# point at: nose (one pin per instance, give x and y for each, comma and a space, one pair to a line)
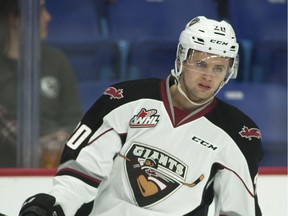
207, 75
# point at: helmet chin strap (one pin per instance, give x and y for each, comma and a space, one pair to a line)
195, 103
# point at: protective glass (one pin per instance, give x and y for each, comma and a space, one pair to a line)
207, 63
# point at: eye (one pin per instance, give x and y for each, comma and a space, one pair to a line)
218, 69
201, 64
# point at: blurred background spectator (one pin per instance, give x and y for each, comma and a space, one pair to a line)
60, 107
108, 40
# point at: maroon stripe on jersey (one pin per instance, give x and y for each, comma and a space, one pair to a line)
241, 179
99, 136
81, 176
165, 98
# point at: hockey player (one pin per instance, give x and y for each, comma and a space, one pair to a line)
164, 147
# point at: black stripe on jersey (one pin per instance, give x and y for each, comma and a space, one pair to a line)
208, 194
123, 138
132, 91
232, 120
93, 118
81, 176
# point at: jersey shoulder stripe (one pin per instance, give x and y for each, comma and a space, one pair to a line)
242, 129
121, 93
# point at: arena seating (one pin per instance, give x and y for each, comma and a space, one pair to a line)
132, 20
266, 104
75, 21
266, 28
79, 28
149, 24
151, 27
152, 58
137, 39
92, 60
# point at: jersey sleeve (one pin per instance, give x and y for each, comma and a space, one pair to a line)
77, 180
236, 181
87, 158
231, 196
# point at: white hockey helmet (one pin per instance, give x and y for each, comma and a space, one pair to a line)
209, 36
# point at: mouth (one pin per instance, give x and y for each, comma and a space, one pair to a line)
204, 87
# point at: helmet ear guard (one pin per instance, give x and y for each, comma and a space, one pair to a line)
235, 67
233, 71
182, 53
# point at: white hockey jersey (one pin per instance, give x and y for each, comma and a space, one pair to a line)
134, 154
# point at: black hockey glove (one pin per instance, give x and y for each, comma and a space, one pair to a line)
41, 205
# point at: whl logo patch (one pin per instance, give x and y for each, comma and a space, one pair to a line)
145, 118
249, 133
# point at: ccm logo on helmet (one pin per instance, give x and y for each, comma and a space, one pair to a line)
218, 42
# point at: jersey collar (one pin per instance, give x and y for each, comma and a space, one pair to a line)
167, 100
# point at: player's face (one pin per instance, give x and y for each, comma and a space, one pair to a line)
45, 18
202, 74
